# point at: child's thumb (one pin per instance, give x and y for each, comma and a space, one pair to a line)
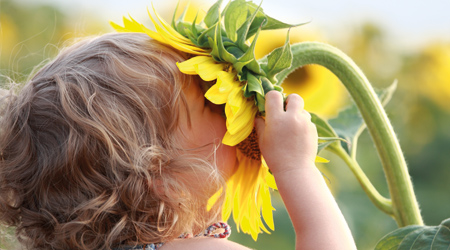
260, 125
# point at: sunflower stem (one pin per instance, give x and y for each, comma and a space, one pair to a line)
404, 204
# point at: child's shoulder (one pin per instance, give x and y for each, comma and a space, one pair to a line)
203, 244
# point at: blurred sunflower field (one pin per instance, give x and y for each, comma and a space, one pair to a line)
33, 32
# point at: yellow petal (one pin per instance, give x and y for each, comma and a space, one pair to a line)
227, 82
260, 202
179, 45
188, 66
228, 203
213, 200
132, 25
128, 26
250, 197
219, 92
234, 139
208, 71
173, 38
320, 159
270, 180
168, 27
267, 207
236, 101
215, 95
244, 118
169, 35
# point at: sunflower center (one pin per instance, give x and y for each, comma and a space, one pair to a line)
249, 147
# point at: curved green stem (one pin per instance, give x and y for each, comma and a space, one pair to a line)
380, 201
404, 203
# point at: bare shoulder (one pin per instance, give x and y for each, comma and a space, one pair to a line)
203, 244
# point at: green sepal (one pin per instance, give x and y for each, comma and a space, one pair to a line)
223, 53
253, 86
214, 49
278, 60
243, 76
194, 26
181, 28
191, 36
213, 14
248, 59
236, 51
202, 39
260, 95
174, 24
267, 85
234, 17
269, 24
227, 43
278, 88
261, 104
243, 30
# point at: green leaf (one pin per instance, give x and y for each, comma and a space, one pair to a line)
326, 134
278, 60
385, 94
235, 17
212, 16
324, 142
417, 237
349, 122
323, 128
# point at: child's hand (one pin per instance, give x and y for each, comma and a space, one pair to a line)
287, 139
288, 142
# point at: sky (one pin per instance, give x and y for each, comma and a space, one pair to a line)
408, 24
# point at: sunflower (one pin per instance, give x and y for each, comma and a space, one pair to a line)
222, 55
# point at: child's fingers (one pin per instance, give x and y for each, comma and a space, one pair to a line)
294, 103
274, 103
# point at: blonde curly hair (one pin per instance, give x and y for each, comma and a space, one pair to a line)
89, 156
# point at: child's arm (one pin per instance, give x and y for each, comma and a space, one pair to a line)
288, 142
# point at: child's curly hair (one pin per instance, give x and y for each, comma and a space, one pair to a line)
89, 159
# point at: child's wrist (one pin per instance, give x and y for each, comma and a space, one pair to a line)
293, 167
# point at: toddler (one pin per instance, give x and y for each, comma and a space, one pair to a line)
110, 146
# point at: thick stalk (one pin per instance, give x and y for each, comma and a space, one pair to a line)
404, 203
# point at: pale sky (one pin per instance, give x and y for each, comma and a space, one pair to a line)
408, 24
